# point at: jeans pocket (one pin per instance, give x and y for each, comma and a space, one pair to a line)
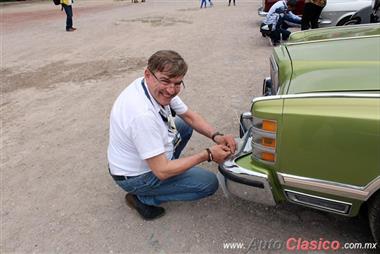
139, 184
125, 185
151, 180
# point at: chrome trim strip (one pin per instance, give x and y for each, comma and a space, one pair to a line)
347, 204
231, 164
275, 75
373, 186
247, 114
341, 28
332, 39
362, 193
266, 98
316, 95
273, 62
325, 22
331, 95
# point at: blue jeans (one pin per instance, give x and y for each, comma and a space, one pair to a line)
193, 184
69, 16
291, 21
281, 30
203, 2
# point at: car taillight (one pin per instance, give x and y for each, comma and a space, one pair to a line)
264, 140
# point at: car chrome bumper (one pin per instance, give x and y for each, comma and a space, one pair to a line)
325, 22
246, 184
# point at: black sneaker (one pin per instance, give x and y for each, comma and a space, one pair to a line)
147, 212
71, 29
275, 43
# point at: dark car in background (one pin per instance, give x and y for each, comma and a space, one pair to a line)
369, 14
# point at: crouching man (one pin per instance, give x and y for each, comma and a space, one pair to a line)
149, 127
278, 20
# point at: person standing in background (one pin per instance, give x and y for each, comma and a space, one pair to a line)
311, 13
229, 3
67, 5
210, 2
203, 2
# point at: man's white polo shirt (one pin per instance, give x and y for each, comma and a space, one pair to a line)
137, 131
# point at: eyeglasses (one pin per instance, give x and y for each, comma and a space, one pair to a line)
168, 83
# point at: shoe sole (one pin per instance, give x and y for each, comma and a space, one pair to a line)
129, 203
132, 205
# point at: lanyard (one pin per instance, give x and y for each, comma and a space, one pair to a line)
164, 118
171, 125
146, 91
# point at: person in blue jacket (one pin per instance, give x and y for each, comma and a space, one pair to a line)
278, 20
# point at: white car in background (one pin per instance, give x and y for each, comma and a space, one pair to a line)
335, 13
338, 12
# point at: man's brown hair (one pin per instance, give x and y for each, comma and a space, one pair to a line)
168, 62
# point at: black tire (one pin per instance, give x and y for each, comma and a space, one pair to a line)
374, 216
343, 21
353, 21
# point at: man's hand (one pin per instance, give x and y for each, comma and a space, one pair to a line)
220, 153
227, 140
164, 168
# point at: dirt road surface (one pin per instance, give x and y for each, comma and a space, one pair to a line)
57, 90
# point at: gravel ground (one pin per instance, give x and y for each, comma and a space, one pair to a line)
57, 90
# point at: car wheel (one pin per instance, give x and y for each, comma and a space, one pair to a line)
343, 21
354, 21
374, 216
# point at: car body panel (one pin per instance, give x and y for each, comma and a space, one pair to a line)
271, 108
282, 59
368, 14
314, 72
303, 135
246, 162
279, 189
336, 11
339, 136
363, 16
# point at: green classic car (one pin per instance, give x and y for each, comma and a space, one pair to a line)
315, 139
